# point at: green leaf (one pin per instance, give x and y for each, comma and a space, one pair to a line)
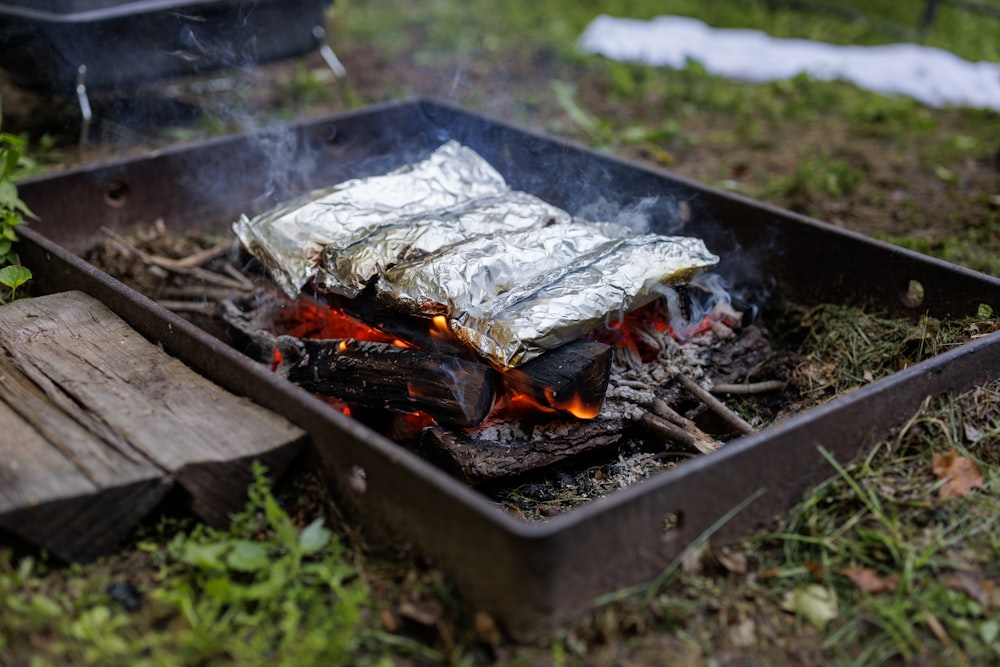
5, 246
989, 630
283, 527
12, 157
204, 556
8, 193
14, 276
314, 537
247, 556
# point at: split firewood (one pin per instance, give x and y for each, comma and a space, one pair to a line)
455, 392
575, 374
101, 424
717, 406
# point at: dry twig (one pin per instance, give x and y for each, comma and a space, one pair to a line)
703, 442
715, 404
748, 388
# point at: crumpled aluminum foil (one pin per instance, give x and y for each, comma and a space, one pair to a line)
347, 269
560, 305
515, 275
480, 270
289, 240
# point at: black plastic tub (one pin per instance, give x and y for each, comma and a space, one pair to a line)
44, 43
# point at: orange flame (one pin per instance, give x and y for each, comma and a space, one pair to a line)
576, 406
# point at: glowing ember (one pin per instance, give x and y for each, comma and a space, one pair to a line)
305, 318
635, 330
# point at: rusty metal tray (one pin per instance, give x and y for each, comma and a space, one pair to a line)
532, 577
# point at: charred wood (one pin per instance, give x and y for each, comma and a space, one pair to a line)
505, 448
576, 372
455, 392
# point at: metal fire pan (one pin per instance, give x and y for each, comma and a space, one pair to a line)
532, 577
43, 43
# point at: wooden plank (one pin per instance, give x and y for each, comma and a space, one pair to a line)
102, 420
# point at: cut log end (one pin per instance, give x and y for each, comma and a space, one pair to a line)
573, 376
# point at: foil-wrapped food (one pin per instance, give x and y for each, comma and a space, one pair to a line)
514, 275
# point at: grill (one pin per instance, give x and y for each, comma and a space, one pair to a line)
535, 576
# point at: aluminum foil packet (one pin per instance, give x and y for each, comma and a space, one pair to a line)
289, 240
514, 275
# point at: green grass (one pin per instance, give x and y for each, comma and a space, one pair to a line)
464, 28
263, 591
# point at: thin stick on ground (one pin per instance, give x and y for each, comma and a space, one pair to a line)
717, 406
748, 388
660, 427
702, 441
181, 266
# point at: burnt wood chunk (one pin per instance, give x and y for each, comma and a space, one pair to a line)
508, 447
99, 424
454, 391
577, 371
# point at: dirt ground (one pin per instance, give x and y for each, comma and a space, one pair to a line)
921, 183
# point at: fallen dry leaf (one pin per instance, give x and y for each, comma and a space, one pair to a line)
869, 580
961, 475
735, 563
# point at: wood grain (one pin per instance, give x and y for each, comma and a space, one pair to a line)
97, 424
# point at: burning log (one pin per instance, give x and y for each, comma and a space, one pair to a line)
454, 391
573, 378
